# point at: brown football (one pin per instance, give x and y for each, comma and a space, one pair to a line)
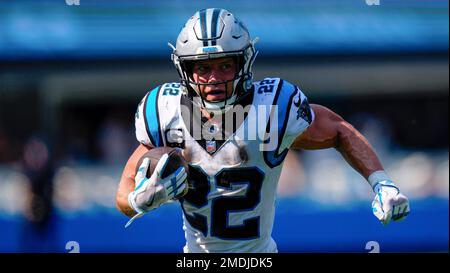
176, 160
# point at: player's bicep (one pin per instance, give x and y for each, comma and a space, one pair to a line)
323, 131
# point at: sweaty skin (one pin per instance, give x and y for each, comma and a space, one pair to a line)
329, 130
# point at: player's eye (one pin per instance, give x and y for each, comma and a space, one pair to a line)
226, 67
202, 69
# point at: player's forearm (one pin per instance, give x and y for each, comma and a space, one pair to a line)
122, 198
127, 183
356, 150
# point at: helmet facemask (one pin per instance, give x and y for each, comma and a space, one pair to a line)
242, 76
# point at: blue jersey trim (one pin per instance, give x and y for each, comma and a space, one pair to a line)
274, 158
152, 124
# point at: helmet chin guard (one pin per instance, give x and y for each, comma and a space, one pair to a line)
211, 34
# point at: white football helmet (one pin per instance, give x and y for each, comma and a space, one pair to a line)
214, 33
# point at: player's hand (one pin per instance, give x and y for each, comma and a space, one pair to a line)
389, 204
152, 192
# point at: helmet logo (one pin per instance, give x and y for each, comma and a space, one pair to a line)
210, 49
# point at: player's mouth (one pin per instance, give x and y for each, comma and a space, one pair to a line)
215, 95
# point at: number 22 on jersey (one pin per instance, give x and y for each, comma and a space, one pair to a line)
221, 206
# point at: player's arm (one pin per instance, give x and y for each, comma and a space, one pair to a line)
139, 194
127, 181
329, 130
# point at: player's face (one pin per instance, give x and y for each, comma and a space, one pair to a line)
212, 71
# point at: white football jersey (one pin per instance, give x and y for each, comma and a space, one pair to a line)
231, 203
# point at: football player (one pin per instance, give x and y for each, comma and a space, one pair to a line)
230, 203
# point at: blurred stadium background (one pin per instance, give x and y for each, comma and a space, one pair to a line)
71, 77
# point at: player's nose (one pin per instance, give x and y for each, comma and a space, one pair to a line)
215, 76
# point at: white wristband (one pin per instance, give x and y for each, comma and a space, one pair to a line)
377, 177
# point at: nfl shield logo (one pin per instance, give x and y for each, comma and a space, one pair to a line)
210, 146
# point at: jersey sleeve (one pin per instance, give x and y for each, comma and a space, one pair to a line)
140, 121
300, 114
148, 125
291, 115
